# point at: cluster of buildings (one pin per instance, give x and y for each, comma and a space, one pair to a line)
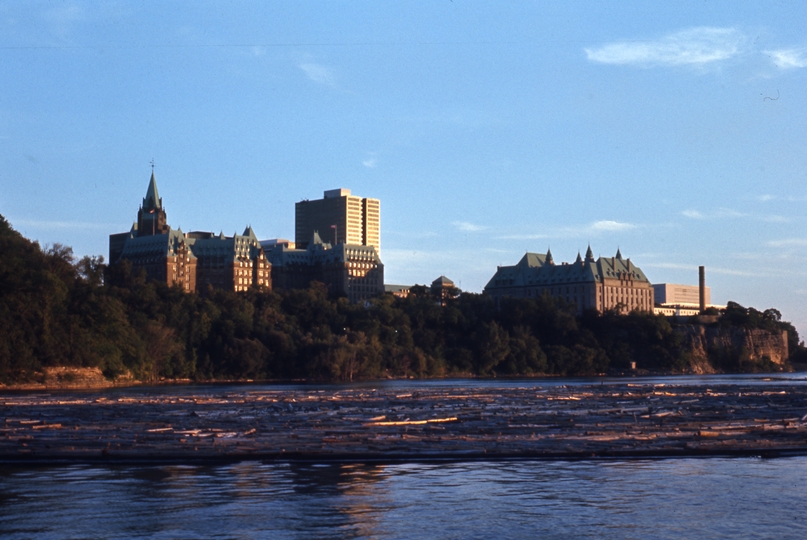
337, 241
347, 261
605, 284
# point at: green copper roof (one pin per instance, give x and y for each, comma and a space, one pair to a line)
152, 199
535, 269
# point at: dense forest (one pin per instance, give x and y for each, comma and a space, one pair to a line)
59, 311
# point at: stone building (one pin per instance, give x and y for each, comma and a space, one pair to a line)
193, 261
339, 218
608, 283
349, 270
443, 289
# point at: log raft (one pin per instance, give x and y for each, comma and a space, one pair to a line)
432, 424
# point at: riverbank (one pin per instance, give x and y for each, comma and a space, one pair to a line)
206, 425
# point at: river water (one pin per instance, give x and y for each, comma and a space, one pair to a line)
673, 498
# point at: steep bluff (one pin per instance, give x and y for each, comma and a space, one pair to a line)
714, 349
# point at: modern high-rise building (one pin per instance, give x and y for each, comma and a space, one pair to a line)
339, 218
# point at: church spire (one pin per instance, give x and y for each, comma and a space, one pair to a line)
549, 256
589, 254
152, 200
618, 254
151, 216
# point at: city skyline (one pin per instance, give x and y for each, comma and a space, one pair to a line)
674, 132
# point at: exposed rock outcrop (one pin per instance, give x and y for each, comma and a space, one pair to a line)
71, 378
708, 345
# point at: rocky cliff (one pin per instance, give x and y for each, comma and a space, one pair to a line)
714, 349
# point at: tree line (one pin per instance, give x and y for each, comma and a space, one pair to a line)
57, 310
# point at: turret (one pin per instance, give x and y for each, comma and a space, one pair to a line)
151, 218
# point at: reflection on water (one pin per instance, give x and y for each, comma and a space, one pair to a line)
714, 498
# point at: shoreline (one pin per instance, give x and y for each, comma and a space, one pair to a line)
622, 420
91, 379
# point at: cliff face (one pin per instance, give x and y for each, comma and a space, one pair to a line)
711, 346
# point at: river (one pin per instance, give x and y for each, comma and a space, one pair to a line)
673, 498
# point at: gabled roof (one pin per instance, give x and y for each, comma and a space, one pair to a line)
535, 269
249, 233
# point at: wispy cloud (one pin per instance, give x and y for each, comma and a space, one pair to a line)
41, 224
465, 226
788, 58
63, 18
693, 214
716, 214
725, 213
594, 229
789, 242
611, 226
524, 237
789, 198
370, 161
695, 46
318, 73
710, 269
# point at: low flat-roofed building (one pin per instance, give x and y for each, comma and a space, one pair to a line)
401, 291
675, 294
676, 300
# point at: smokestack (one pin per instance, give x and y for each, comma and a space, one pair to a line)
702, 288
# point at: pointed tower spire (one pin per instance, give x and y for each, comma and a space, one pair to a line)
151, 217
152, 200
589, 254
549, 256
579, 259
618, 254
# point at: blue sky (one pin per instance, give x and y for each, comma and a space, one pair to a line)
675, 131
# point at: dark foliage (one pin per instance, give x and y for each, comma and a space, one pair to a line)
57, 311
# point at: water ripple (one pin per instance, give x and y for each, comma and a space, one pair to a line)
715, 498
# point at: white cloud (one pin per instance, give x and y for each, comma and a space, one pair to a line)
724, 213
789, 198
596, 228
717, 214
465, 226
318, 73
709, 269
611, 226
40, 224
693, 214
789, 242
524, 237
788, 58
694, 46
370, 161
